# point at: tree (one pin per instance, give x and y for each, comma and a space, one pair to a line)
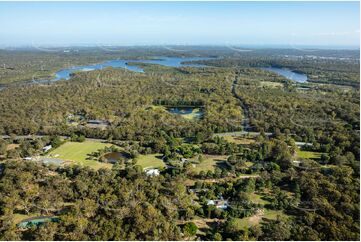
217, 237
190, 229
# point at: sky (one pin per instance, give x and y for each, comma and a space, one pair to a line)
327, 24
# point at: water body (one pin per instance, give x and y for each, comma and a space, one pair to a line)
187, 112
65, 74
122, 63
294, 76
114, 157
36, 221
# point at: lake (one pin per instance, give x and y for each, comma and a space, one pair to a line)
294, 76
122, 63
119, 63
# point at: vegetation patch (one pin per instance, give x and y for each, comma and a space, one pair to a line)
238, 140
271, 84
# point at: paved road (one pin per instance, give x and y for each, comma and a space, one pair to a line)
40, 136
245, 109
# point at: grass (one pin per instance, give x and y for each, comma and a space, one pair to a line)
151, 160
20, 217
77, 153
12, 146
274, 214
238, 140
256, 198
209, 163
271, 84
256, 219
308, 154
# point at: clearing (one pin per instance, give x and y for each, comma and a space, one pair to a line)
308, 154
150, 161
209, 163
78, 153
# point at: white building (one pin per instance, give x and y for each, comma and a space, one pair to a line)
46, 148
221, 204
152, 172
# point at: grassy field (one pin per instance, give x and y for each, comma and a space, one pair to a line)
308, 154
77, 153
271, 84
152, 160
256, 198
209, 163
256, 219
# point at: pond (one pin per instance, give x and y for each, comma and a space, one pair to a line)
294, 76
28, 223
114, 157
187, 112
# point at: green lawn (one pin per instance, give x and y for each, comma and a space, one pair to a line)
274, 214
151, 160
256, 198
209, 163
308, 154
77, 153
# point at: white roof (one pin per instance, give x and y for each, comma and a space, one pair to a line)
152, 172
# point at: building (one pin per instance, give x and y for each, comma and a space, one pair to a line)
218, 203
102, 124
152, 172
46, 148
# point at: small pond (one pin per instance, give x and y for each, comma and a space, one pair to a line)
28, 223
114, 157
187, 112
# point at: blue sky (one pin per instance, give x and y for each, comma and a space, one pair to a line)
158, 23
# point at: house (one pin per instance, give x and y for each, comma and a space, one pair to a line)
46, 148
302, 144
218, 203
183, 160
152, 172
96, 123
28, 158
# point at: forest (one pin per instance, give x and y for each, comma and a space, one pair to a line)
267, 158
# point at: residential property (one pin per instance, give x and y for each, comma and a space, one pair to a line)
219, 203
97, 123
152, 172
46, 148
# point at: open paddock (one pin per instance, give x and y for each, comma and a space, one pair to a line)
77, 153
